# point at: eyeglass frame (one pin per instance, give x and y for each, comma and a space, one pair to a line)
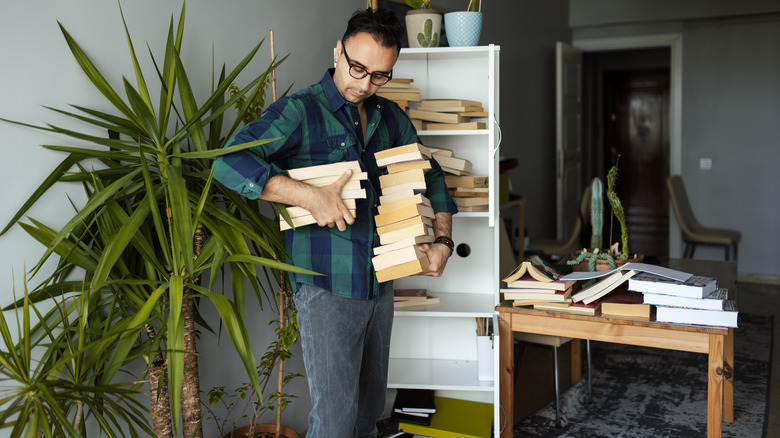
374, 75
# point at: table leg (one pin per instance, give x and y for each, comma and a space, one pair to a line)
715, 387
576, 361
728, 384
506, 370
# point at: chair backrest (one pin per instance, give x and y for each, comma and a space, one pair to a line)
681, 205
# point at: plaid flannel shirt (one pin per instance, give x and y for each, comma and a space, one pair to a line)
318, 126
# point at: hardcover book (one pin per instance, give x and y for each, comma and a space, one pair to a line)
694, 287
603, 287
625, 303
683, 315
713, 301
529, 281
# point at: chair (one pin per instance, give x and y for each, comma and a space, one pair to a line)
693, 232
564, 248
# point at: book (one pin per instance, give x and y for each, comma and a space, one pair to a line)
404, 202
455, 126
402, 213
684, 315
406, 241
531, 302
398, 154
295, 211
397, 257
713, 301
429, 301
410, 95
432, 103
397, 195
466, 181
536, 267
398, 414
694, 287
402, 270
471, 202
353, 194
310, 172
417, 186
543, 305
529, 281
479, 113
465, 208
519, 294
603, 287
408, 165
302, 220
330, 179
465, 194
407, 176
625, 303
458, 109
399, 82
416, 400
639, 267
455, 418
405, 232
443, 152
414, 220
454, 163
435, 116
417, 294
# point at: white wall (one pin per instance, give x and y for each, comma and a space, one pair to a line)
38, 69
730, 101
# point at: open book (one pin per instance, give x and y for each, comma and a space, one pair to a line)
639, 267
536, 268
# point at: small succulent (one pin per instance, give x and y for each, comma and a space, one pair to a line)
429, 38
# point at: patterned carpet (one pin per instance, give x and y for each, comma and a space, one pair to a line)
646, 392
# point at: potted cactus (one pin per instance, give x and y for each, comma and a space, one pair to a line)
423, 24
596, 258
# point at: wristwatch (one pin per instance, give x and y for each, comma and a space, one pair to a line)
445, 240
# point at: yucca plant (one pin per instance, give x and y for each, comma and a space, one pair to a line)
154, 225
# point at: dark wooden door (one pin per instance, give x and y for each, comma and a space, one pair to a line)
636, 128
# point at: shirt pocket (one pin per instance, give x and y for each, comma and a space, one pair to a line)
342, 147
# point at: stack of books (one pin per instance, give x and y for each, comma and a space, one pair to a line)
414, 406
400, 91
471, 193
323, 175
404, 219
696, 300
405, 298
534, 281
445, 114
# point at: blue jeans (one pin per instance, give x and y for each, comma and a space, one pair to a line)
346, 345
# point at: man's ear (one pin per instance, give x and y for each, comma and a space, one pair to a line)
337, 53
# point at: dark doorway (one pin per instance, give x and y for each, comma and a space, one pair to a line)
636, 129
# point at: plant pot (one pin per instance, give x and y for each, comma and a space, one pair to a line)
463, 28
423, 28
262, 430
603, 265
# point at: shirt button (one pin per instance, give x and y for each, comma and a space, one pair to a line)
379, 106
251, 185
342, 143
372, 124
356, 123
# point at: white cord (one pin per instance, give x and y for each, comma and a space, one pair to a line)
499, 136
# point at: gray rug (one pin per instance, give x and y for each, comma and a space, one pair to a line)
647, 392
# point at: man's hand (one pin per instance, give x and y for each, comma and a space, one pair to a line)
327, 207
437, 258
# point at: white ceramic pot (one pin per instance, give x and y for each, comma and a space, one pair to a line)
463, 28
423, 28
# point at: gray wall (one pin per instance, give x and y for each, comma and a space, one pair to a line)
38, 69
731, 104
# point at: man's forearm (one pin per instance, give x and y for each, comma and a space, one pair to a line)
442, 224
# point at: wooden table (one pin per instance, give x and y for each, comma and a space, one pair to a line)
716, 342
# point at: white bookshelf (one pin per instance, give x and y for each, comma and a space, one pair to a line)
435, 348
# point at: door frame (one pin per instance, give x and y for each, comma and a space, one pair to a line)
675, 42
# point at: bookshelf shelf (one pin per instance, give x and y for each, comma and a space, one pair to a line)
437, 374
436, 347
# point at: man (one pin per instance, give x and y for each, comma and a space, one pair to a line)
345, 316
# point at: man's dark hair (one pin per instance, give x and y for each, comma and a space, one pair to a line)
381, 24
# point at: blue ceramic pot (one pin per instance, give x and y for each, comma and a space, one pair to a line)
463, 28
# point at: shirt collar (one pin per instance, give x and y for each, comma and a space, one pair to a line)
335, 99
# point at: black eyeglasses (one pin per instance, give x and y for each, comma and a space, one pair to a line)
358, 72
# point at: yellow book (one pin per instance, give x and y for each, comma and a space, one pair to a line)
302, 220
407, 176
414, 220
330, 179
436, 103
402, 213
453, 163
395, 205
409, 165
398, 154
455, 126
434, 116
403, 270
397, 257
317, 171
407, 241
468, 182
405, 232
